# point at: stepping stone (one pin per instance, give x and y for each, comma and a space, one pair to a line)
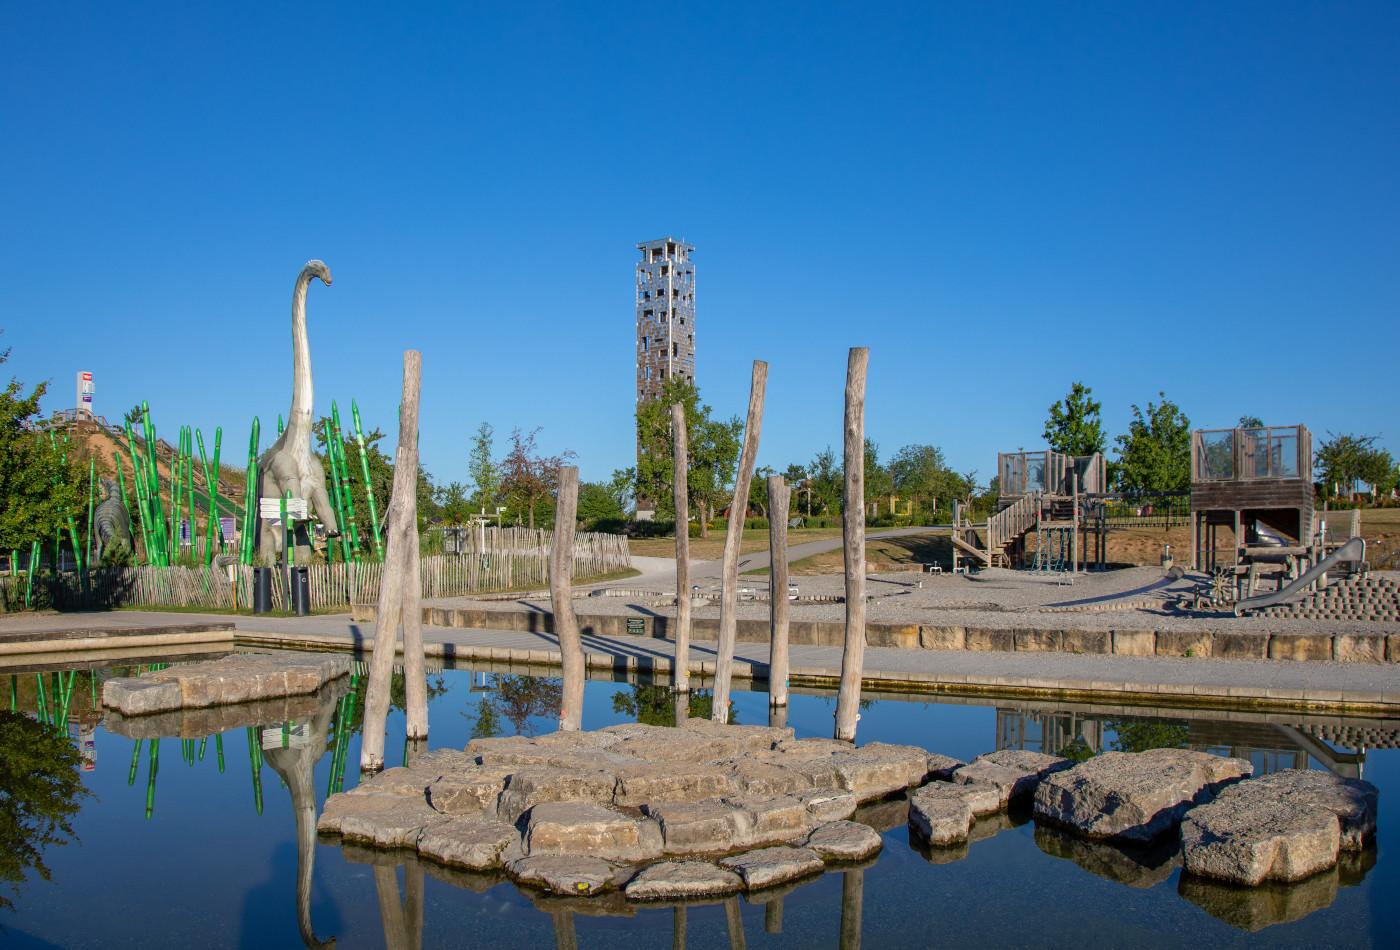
765, 779
1014, 772
880, 769
530, 786
942, 767
1134, 796
769, 820
472, 792
474, 843
769, 866
240, 678
828, 804
590, 829
382, 820
680, 880
709, 827
1281, 827
575, 875
944, 812
844, 841
670, 782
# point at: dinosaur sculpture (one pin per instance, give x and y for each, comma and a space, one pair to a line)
113, 528
290, 466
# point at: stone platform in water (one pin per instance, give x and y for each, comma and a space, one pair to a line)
240, 678
659, 813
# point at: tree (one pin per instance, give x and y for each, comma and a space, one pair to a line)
38, 488
1343, 460
454, 504
713, 444
1251, 422
825, 482
528, 479
1075, 425
878, 483
43, 791
1154, 455
596, 503
758, 490
920, 472
485, 472
621, 486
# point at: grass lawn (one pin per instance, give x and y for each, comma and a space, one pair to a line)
712, 548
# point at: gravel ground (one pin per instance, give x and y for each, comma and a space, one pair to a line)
991, 598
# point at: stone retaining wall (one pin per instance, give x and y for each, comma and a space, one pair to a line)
1235, 645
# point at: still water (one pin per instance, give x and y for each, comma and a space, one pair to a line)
193, 840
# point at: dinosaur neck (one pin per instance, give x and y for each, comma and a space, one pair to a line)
299, 418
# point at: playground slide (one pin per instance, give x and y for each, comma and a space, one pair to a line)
1353, 551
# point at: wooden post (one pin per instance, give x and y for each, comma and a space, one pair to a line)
734, 534
561, 563
1074, 535
1195, 541
853, 535
778, 591
681, 484
400, 572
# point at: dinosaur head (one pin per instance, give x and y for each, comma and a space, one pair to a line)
318, 269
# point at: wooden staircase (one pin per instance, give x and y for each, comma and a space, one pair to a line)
1003, 528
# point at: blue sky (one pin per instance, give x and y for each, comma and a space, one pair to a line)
996, 199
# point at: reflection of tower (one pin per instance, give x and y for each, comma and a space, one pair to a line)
87, 746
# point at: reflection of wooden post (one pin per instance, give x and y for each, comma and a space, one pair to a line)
561, 567
678, 929
403, 921
852, 893
778, 592
564, 936
773, 916
853, 533
681, 484
734, 535
396, 602
777, 717
734, 919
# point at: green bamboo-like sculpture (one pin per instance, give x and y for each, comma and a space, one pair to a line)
135, 762
92, 508
151, 778
369, 487
344, 476
250, 500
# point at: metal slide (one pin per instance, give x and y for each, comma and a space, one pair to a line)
1353, 551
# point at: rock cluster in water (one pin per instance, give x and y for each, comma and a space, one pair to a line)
660, 813
239, 678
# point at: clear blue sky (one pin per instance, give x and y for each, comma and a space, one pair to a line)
996, 199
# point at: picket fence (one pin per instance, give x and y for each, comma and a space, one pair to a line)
490, 559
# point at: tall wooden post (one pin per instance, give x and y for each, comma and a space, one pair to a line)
681, 486
853, 535
399, 587
778, 593
561, 569
734, 535
1074, 535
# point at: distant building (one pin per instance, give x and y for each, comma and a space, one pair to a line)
665, 315
665, 322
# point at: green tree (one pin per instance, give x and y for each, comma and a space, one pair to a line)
485, 472
656, 705
597, 504
758, 490
920, 472
1251, 422
879, 485
621, 485
40, 792
713, 445
1075, 425
453, 502
529, 479
38, 488
1154, 455
1139, 735
1343, 460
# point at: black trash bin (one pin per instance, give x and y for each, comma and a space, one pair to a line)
262, 590
301, 591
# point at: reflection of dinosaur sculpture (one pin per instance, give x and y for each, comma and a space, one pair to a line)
289, 465
113, 525
296, 765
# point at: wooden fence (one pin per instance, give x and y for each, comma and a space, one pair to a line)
490, 559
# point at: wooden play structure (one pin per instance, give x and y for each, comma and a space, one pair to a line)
1053, 495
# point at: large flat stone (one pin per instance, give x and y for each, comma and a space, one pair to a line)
671, 782
710, 827
844, 841
474, 843
576, 875
1013, 772
531, 786
760, 778
682, 880
1281, 827
591, 829
238, 678
473, 791
828, 804
1135, 796
383, 821
770, 820
944, 812
769, 866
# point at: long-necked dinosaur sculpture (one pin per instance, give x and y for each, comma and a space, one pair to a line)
290, 465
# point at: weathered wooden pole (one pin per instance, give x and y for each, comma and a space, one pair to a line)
680, 442
733, 536
852, 901
561, 572
734, 922
853, 534
778, 591
397, 603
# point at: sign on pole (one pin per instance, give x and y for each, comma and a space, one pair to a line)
270, 509
85, 393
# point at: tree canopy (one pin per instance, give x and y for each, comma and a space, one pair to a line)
1154, 455
1075, 423
713, 445
1343, 460
38, 486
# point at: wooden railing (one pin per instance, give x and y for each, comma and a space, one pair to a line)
1010, 523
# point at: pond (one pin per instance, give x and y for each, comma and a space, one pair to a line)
193, 839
